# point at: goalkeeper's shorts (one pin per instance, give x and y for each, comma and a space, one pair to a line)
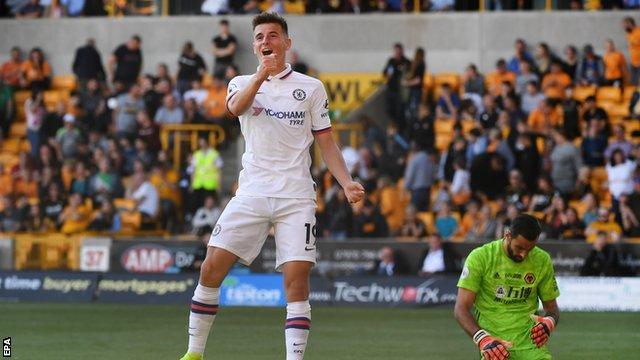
531, 354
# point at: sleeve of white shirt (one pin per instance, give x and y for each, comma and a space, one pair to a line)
234, 86
319, 110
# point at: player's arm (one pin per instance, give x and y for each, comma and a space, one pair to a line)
240, 101
335, 162
491, 347
544, 325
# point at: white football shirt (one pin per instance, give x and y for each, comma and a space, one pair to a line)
278, 129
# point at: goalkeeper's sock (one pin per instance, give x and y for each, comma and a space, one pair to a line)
297, 329
204, 307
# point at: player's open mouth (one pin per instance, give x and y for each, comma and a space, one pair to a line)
267, 52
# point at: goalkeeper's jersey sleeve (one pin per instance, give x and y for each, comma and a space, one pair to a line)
507, 292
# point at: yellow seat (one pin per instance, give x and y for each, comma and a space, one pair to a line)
453, 79
610, 94
124, 204
628, 93
11, 145
294, 7
63, 82
21, 96
427, 219
442, 126
580, 93
18, 130
618, 111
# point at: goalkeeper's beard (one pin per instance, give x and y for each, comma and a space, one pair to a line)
512, 256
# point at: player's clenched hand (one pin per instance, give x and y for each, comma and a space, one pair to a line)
354, 192
492, 348
542, 329
268, 65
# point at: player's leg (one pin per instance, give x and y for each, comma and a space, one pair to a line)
298, 322
294, 223
238, 235
205, 300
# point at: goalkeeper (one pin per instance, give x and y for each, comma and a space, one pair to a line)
502, 281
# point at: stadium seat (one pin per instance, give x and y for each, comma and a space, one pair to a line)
628, 93
618, 111
427, 219
124, 204
580, 93
294, 7
443, 140
440, 79
444, 126
64, 82
11, 145
610, 94
21, 96
18, 129
52, 97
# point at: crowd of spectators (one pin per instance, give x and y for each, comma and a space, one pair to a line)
463, 159
94, 159
75, 8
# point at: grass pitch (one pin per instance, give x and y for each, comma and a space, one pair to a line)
100, 331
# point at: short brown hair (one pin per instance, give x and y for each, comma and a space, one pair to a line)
271, 18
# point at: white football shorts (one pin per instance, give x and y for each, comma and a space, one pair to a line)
244, 226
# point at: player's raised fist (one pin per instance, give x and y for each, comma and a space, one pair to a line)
542, 329
268, 64
354, 192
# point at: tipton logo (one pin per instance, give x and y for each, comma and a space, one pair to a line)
278, 114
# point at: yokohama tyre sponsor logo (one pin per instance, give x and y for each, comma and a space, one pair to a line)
279, 114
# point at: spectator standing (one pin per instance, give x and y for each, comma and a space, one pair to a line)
125, 63
214, 102
12, 68
87, 64
414, 83
205, 179
620, 173
633, 40
565, 163
191, 67
34, 112
620, 142
590, 68
128, 105
544, 58
31, 10
615, 66
68, 137
571, 60
6, 108
473, 81
394, 71
36, 71
94, 108
169, 112
224, 47
593, 146
419, 176
520, 57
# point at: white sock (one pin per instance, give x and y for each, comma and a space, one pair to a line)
297, 328
204, 307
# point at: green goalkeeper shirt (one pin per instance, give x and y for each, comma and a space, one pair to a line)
507, 292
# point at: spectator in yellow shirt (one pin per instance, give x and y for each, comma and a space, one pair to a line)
36, 71
496, 78
555, 82
604, 223
214, 104
545, 117
76, 216
633, 39
615, 66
